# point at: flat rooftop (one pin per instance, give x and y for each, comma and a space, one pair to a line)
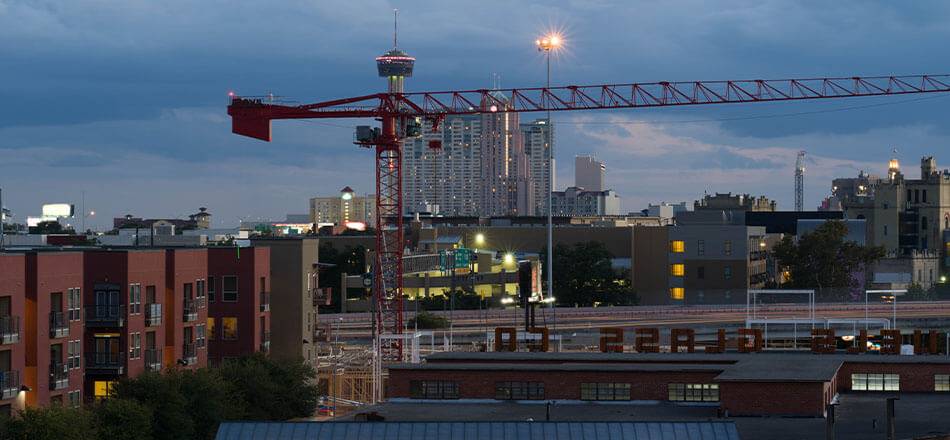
859, 417
734, 366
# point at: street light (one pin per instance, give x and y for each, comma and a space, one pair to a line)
479, 239
547, 44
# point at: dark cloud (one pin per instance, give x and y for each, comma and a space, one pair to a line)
96, 92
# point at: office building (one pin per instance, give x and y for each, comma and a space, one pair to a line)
758, 384
445, 180
589, 173
666, 211
738, 202
506, 185
348, 207
538, 139
576, 201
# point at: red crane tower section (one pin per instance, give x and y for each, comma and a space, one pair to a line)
252, 117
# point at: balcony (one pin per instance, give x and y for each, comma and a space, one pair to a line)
153, 359
105, 362
58, 376
105, 316
9, 384
190, 311
265, 301
189, 354
58, 325
153, 315
265, 342
9, 329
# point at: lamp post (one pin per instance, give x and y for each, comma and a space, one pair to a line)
547, 44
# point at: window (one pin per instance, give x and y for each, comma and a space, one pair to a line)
74, 304
885, 229
188, 291
677, 270
102, 389
211, 289
923, 195
923, 223
701, 247
942, 382
73, 350
210, 327
75, 399
135, 299
229, 288
433, 389
229, 330
135, 345
701, 273
519, 390
677, 293
677, 246
605, 391
727, 247
875, 382
200, 335
727, 273
200, 291
693, 392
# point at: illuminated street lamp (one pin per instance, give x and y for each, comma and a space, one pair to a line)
547, 44
479, 239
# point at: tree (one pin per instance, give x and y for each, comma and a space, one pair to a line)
120, 419
583, 275
161, 393
273, 389
824, 260
210, 400
428, 321
50, 423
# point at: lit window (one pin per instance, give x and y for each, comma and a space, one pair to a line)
605, 391
727, 247
942, 382
693, 392
677, 293
229, 328
677, 270
102, 388
875, 382
211, 328
677, 246
727, 272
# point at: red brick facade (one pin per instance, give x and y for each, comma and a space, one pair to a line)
73, 321
753, 384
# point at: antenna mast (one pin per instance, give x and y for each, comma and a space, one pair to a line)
395, 27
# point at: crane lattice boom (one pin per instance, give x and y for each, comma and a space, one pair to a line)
252, 116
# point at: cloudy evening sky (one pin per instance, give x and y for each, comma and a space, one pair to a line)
125, 100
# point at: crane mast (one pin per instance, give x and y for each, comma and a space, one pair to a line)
396, 110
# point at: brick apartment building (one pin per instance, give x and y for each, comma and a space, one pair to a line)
239, 307
739, 384
73, 321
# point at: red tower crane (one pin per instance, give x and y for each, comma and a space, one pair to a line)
398, 111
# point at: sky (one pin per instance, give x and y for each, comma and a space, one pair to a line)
124, 102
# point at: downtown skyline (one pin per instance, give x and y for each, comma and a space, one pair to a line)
128, 103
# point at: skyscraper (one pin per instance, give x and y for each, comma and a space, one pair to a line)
480, 168
505, 187
538, 136
444, 180
589, 173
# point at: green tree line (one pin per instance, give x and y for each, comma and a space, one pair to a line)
178, 404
